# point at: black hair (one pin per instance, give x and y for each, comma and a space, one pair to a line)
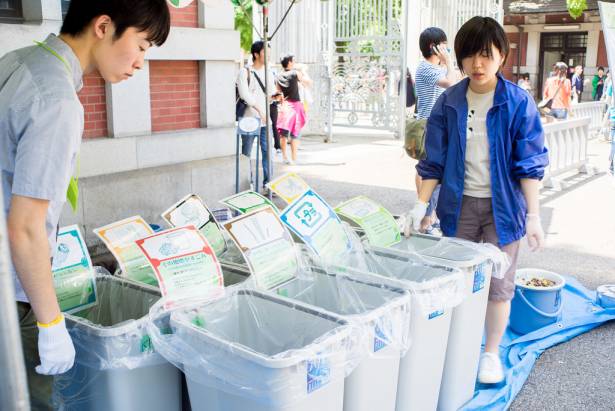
150, 16
477, 35
257, 47
429, 37
286, 60
526, 76
600, 68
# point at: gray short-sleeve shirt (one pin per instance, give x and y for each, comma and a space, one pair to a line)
41, 123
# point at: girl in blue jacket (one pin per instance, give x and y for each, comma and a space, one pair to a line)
485, 146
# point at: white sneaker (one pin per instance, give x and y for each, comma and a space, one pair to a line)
289, 162
490, 369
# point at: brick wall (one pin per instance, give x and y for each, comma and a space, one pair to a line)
185, 17
92, 96
175, 96
511, 62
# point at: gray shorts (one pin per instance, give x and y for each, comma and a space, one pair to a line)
476, 224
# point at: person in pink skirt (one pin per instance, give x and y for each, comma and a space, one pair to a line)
291, 113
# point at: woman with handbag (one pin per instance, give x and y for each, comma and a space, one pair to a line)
556, 95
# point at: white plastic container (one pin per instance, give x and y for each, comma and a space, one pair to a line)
467, 319
435, 289
240, 345
373, 306
115, 365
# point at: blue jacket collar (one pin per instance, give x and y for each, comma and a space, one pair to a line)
457, 95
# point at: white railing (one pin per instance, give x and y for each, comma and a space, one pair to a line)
592, 109
567, 144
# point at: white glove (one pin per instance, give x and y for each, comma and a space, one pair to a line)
533, 229
55, 348
414, 217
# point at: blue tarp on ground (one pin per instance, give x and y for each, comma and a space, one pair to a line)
520, 352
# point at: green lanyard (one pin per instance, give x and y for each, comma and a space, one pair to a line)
72, 193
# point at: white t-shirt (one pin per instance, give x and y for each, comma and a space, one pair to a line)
477, 181
253, 94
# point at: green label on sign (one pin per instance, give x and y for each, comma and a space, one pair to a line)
378, 223
73, 275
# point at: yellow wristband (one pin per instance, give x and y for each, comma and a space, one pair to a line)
57, 320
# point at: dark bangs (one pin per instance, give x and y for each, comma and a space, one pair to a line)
149, 16
477, 35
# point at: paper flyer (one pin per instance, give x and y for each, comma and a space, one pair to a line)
266, 245
311, 218
247, 201
73, 275
288, 187
191, 210
184, 263
120, 237
377, 222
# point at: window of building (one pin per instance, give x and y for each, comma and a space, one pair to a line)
10, 11
571, 48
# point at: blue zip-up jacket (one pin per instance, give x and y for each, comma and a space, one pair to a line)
516, 151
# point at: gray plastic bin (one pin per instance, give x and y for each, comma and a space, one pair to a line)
115, 365
253, 351
466, 333
374, 307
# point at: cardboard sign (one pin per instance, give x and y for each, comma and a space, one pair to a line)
184, 263
266, 245
311, 218
120, 237
288, 187
191, 210
248, 201
377, 222
73, 275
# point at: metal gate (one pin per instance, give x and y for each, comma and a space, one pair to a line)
366, 61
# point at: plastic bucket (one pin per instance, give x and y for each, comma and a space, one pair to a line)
535, 307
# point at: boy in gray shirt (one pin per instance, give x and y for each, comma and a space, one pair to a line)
41, 122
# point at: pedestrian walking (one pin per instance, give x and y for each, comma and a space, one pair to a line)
291, 113
485, 145
251, 87
557, 92
577, 84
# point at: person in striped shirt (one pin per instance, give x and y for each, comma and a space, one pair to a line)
434, 74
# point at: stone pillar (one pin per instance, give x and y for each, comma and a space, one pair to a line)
128, 105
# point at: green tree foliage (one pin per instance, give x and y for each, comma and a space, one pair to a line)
243, 22
576, 7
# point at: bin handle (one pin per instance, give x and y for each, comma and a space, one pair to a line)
539, 311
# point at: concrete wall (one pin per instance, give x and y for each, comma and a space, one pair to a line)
130, 168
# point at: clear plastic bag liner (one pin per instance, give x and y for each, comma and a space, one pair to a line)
456, 252
433, 286
112, 334
267, 349
381, 311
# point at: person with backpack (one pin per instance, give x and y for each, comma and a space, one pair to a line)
41, 126
251, 90
485, 145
